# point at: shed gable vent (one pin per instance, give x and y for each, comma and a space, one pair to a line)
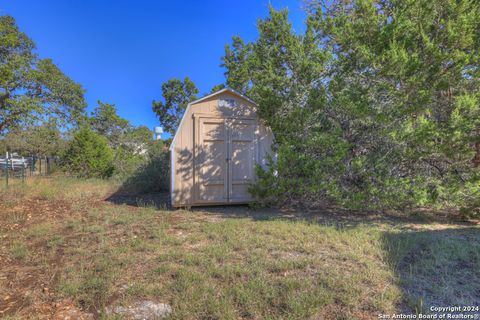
228, 103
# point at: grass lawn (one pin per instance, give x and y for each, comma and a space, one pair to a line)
66, 248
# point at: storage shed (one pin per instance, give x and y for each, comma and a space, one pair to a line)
215, 149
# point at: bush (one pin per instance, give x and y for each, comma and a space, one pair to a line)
153, 175
88, 155
385, 117
471, 205
292, 179
126, 162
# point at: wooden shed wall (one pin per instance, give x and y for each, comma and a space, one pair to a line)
183, 148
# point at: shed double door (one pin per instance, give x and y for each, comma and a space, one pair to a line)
225, 160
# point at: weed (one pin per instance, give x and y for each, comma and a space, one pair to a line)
18, 250
40, 230
257, 267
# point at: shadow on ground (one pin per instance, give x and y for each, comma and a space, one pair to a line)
159, 200
435, 267
436, 260
327, 216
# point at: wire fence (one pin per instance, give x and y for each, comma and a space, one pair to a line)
15, 167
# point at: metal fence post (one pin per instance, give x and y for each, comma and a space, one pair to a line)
32, 168
6, 171
23, 170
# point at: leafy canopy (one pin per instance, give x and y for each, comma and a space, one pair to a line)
32, 88
177, 95
42, 140
375, 105
89, 155
105, 121
129, 143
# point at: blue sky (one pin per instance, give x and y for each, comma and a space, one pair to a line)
122, 51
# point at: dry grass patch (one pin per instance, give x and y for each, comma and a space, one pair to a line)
209, 266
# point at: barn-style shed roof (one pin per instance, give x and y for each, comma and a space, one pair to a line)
235, 92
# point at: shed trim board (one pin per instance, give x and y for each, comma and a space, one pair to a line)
172, 174
215, 150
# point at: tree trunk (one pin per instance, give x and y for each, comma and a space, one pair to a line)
476, 159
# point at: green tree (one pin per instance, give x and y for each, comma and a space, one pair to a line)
237, 60
32, 88
153, 174
39, 140
404, 88
105, 121
375, 105
217, 87
89, 155
282, 72
131, 152
176, 95
138, 136
46, 140
129, 143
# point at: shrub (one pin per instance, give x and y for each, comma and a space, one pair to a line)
88, 155
126, 162
153, 174
384, 117
471, 205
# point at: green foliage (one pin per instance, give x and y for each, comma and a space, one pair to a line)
140, 135
375, 105
152, 174
217, 87
32, 88
128, 143
177, 95
237, 61
89, 155
126, 162
131, 151
40, 140
105, 121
